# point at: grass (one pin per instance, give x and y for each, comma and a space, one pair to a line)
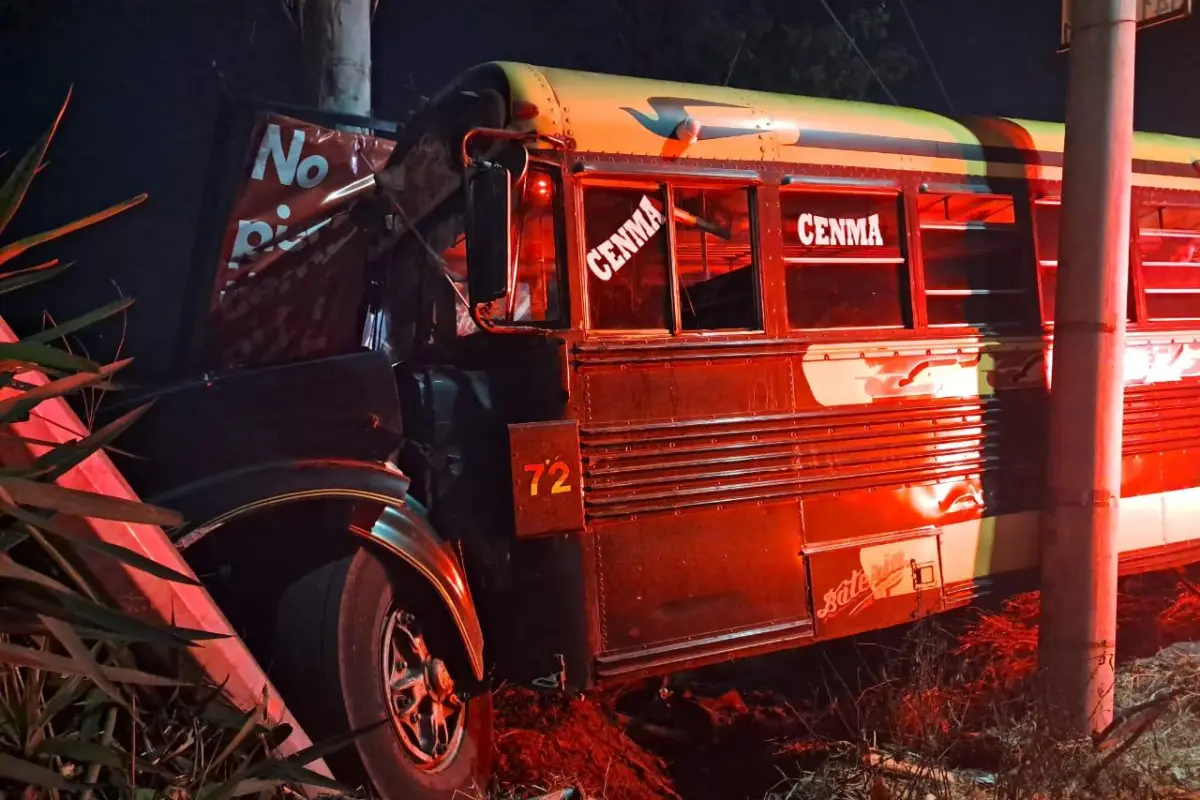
945, 712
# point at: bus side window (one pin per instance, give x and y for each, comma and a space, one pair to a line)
1047, 213
714, 257
974, 257
625, 236
1169, 245
846, 267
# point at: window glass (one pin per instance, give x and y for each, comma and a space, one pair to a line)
536, 296
1169, 245
1047, 215
714, 260
625, 235
844, 260
974, 258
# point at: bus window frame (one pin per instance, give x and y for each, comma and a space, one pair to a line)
1035, 237
586, 174
1154, 197
911, 186
753, 201
767, 253
904, 192
1025, 228
1052, 195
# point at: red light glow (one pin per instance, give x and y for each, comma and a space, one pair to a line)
523, 109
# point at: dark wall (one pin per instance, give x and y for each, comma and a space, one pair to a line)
146, 79
1167, 96
998, 58
147, 75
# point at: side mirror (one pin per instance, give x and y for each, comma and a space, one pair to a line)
488, 227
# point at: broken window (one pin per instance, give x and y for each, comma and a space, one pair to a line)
714, 257
975, 260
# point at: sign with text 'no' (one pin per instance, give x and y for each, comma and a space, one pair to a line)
1150, 13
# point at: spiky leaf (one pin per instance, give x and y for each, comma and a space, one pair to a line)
10, 568
332, 745
14, 188
10, 538
66, 456
37, 356
52, 662
29, 774
124, 555
70, 691
38, 598
294, 773
20, 278
85, 504
224, 790
253, 786
79, 323
73, 748
18, 407
253, 720
82, 656
11, 251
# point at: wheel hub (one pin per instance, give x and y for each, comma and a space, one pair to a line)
437, 675
427, 714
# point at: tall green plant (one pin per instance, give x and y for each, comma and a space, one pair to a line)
77, 711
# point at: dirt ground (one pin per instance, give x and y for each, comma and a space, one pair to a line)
788, 725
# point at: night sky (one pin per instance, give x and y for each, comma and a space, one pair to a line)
147, 75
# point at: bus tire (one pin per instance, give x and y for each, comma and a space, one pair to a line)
338, 630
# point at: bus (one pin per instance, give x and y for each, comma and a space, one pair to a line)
651, 376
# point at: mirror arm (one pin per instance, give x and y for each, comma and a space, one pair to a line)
513, 136
486, 325
488, 133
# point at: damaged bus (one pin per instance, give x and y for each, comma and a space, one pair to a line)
588, 378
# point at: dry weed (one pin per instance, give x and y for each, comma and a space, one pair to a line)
955, 717
946, 715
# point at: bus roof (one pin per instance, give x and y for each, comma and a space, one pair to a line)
637, 116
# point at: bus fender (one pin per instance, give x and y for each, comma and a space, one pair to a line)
385, 515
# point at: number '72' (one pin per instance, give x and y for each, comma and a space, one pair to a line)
557, 470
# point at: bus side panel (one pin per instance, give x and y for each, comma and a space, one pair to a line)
675, 391
927, 460
860, 588
676, 576
1160, 468
689, 492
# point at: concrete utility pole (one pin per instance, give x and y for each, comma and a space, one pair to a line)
336, 36
1077, 639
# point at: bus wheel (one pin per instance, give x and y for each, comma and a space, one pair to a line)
359, 646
